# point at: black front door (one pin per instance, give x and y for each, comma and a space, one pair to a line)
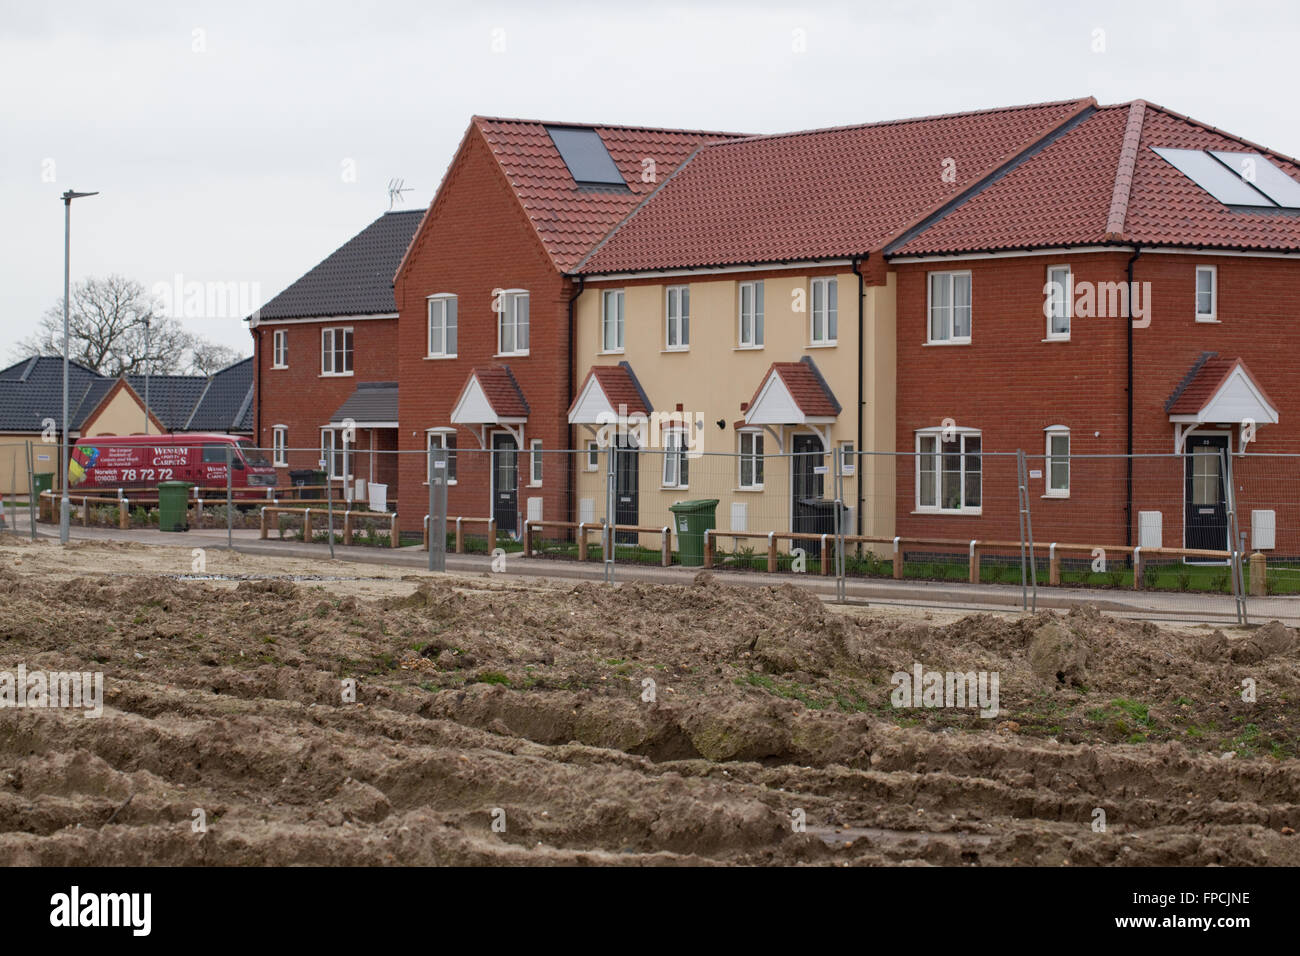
505, 483
627, 507
807, 484
1206, 508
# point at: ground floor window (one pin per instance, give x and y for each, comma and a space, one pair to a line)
676, 466
593, 456
751, 460
280, 445
535, 463
447, 442
949, 472
1058, 461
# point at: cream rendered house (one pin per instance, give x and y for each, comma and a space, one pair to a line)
750, 382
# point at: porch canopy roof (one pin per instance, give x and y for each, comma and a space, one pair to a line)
609, 393
1220, 391
491, 396
371, 405
792, 393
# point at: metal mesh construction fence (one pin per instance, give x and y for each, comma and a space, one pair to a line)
1196, 535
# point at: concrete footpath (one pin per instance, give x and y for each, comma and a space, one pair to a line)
1145, 605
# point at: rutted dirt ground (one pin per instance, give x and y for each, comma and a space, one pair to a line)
484, 699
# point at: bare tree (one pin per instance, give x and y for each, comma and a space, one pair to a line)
116, 328
208, 357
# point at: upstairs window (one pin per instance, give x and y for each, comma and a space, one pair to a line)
1059, 292
442, 326
950, 308
280, 349
336, 351
512, 324
611, 320
825, 311
678, 306
1207, 297
751, 315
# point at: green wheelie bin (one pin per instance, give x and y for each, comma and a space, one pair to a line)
173, 505
690, 520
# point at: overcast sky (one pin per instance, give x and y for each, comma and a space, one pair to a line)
242, 142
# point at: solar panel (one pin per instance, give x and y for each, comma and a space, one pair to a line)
1266, 177
585, 154
1214, 177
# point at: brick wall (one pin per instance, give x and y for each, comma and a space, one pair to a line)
303, 399
1011, 385
475, 239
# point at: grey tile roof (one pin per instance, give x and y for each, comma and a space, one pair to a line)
371, 402
32, 390
227, 403
355, 279
172, 398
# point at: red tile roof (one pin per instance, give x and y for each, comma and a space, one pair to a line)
621, 388
806, 386
501, 390
1102, 182
1203, 381
822, 193
569, 219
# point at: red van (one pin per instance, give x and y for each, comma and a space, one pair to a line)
141, 461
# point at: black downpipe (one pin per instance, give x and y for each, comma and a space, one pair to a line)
572, 476
858, 472
1128, 482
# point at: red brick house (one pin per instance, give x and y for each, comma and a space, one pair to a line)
483, 297
1205, 224
325, 363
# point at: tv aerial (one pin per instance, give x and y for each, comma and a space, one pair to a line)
396, 187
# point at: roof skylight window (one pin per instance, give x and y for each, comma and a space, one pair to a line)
584, 152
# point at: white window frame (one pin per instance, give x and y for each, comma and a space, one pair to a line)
279, 446
756, 325
676, 470
829, 314
1051, 432
443, 301
349, 350
336, 447
950, 327
960, 435
1066, 303
1213, 314
437, 438
848, 458
593, 456
280, 348
508, 315
535, 463
677, 318
606, 297
754, 456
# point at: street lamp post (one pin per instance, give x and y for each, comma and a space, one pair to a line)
65, 507
146, 375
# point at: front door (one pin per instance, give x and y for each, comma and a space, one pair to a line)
627, 507
505, 483
1206, 508
807, 483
